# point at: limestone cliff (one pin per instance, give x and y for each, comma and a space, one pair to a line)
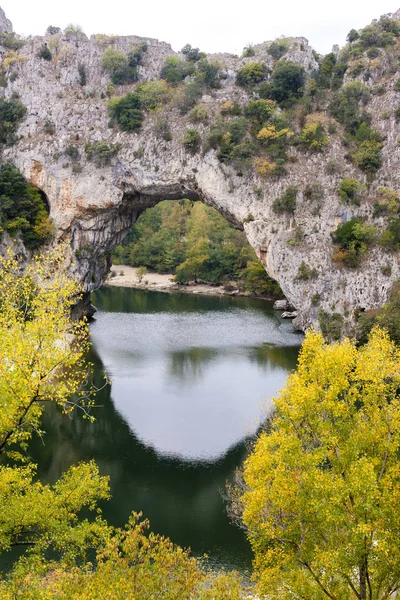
94, 205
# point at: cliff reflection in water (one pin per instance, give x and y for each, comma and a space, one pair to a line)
186, 393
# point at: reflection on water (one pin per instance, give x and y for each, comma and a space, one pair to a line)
192, 378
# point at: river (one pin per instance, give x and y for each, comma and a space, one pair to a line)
192, 380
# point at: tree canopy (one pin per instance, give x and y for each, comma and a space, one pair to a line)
321, 490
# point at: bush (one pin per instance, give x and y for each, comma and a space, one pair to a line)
312, 137
390, 238
176, 70
192, 140
251, 74
11, 41
72, 152
248, 51
11, 114
191, 94
353, 238
192, 54
126, 112
199, 114
278, 48
82, 75
229, 138
51, 30
352, 36
123, 68
44, 53
368, 157
22, 208
152, 94
208, 73
387, 317
350, 191
305, 272
101, 152
260, 110
387, 203
231, 108
113, 60
162, 129
331, 325
345, 107
287, 84
286, 202
257, 281
314, 191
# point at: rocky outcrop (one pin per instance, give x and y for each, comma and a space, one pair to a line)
5, 24
94, 206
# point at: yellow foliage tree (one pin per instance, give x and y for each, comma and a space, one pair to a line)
320, 494
42, 359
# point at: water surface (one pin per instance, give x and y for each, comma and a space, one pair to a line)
192, 379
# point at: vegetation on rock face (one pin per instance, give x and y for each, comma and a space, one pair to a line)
122, 67
251, 74
321, 488
353, 239
387, 317
11, 114
193, 241
287, 83
127, 112
101, 152
350, 191
287, 202
22, 208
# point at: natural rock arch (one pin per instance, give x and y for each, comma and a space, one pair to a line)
93, 206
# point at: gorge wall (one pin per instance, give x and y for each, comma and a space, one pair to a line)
94, 203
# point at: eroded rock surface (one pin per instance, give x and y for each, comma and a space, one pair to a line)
93, 206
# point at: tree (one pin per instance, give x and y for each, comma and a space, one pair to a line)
42, 360
52, 30
353, 35
320, 491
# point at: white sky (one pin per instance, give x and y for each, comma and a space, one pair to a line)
212, 25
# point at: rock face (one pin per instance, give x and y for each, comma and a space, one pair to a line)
5, 24
94, 206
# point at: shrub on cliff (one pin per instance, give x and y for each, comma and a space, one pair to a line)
126, 112
353, 239
176, 70
350, 191
286, 202
192, 140
278, 48
44, 53
390, 238
22, 208
11, 114
287, 83
251, 74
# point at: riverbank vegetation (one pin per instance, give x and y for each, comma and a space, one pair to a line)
195, 243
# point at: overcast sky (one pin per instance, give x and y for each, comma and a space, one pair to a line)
212, 25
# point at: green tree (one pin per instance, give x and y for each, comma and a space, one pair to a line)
22, 208
321, 489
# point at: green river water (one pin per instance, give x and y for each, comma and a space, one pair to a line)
192, 380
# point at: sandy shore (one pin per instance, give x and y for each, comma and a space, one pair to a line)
126, 277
